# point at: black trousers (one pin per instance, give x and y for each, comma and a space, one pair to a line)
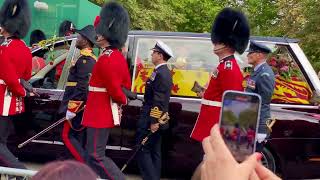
149, 156
7, 159
74, 138
97, 139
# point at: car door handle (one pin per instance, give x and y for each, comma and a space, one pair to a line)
41, 101
287, 133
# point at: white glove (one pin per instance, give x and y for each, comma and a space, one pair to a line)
261, 137
70, 115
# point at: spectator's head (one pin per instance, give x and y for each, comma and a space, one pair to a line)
113, 27
15, 18
36, 36
230, 32
66, 28
86, 37
65, 170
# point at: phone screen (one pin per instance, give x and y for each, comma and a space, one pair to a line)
238, 122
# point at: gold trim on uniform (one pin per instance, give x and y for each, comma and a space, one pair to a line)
155, 113
88, 52
74, 106
71, 84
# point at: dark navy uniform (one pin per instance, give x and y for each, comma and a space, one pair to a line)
156, 103
74, 98
262, 82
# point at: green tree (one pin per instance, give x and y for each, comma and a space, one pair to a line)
150, 15
198, 14
300, 19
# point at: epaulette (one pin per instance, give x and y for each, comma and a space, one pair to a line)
88, 52
6, 43
108, 52
215, 73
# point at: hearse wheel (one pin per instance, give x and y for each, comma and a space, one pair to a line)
268, 160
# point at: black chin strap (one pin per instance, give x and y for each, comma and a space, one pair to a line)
220, 48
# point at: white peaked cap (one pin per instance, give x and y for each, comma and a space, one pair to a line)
165, 48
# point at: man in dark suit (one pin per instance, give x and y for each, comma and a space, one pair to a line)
76, 92
155, 108
262, 82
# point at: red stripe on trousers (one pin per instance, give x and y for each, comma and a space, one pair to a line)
67, 142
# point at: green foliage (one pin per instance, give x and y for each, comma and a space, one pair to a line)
155, 15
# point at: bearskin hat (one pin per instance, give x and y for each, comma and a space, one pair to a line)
66, 28
15, 17
231, 28
114, 24
37, 36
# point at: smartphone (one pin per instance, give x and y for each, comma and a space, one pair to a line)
239, 120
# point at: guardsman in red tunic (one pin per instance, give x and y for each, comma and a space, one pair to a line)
15, 69
230, 33
110, 74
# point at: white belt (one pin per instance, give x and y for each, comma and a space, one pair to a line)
97, 89
2, 82
210, 103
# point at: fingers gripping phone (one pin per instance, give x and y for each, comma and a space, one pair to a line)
239, 120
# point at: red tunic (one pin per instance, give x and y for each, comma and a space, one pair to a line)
109, 75
227, 76
15, 64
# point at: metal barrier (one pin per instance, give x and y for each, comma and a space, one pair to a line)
13, 173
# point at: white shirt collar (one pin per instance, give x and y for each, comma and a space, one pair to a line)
259, 65
160, 65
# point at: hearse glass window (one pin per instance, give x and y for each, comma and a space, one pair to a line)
50, 57
193, 61
291, 86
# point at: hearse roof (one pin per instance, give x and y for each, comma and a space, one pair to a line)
207, 35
